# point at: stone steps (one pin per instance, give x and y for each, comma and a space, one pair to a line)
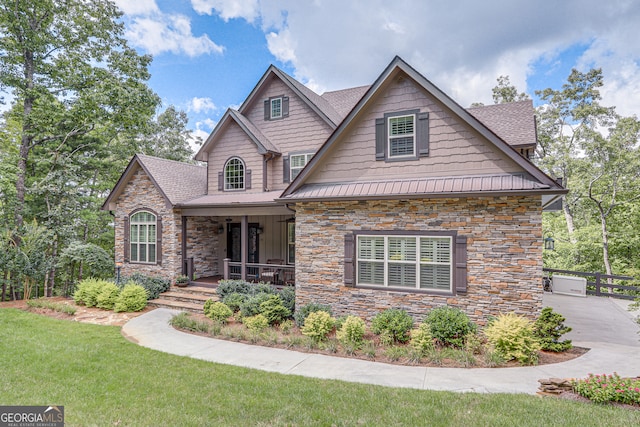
190, 298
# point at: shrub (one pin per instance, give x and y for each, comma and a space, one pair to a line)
273, 309
132, 298
317, 325
251, 306
351, 333
285, 326
186, 322
261, 288
450, 326
108, 296
153, 285
216, 310
513, 337
609, 388
393, 322
87, 292
59, 307
256, 324
549, 327
421, 339
227, 287
301, 315
395, 353
234, 300
288, 296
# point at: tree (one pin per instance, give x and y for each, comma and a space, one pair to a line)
505, 92
168, 136
70, 71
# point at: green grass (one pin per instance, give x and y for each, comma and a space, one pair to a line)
55, 306
103, 380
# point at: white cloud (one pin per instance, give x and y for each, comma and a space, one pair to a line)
157, 32
137, 7
201, 105
228, 9
461, 47
206, 123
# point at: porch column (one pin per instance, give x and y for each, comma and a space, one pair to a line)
244, 250
184, 245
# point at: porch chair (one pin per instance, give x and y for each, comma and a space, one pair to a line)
269, 274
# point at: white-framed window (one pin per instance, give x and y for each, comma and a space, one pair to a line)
404, 261
291, 242
234, 174
143, 237
401, 138
276, 108
297, 162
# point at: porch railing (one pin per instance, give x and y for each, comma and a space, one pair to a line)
276, 274
602, 284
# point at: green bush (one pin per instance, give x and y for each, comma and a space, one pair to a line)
186, 322
218, 311
132, 298
261, 288
273, 309
108, 296
393, 323
256, 324
609, 388
422, 339
87, 291
304, 311
234, 300
449, 326
549, 327
153, 285
251, 306
318, 325
513, 337
60, 307
288, 296
226, 287
351, 333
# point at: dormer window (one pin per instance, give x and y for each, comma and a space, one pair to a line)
276, 107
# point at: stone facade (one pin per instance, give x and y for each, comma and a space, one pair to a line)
203, 241
504, 253
140, 193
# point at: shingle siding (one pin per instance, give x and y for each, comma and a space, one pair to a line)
454, 149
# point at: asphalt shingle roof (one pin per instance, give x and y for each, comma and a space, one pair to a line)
177, 180
513, 122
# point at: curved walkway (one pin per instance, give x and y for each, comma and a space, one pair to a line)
599, 324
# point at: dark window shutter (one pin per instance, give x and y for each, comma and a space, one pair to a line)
127, 235
247, 179
422, 133
267, 109
349, 254
159, 241
461, 265
380, 139
286, 169
220, 181
285, 106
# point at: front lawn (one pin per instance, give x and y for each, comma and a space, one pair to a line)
103, 380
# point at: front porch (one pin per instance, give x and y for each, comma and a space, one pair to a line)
254, 248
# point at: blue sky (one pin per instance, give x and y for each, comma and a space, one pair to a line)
209, 54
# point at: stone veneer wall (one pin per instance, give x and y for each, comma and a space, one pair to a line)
140, 193
504, 253
202, 244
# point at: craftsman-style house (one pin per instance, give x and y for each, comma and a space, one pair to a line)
389, 195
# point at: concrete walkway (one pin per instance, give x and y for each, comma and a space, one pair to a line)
600, 324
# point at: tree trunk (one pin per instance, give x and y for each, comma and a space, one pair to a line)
52, 275
5, 276
605, 246
27, 138
568, 216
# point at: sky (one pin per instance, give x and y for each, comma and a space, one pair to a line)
209, 54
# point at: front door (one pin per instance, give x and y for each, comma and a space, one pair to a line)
234, 244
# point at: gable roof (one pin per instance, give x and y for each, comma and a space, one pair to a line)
397, 66
344, 100
175, 181
318, 104
514, 122
261, 141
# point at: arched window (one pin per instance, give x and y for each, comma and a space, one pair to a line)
234, 178
143, 236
